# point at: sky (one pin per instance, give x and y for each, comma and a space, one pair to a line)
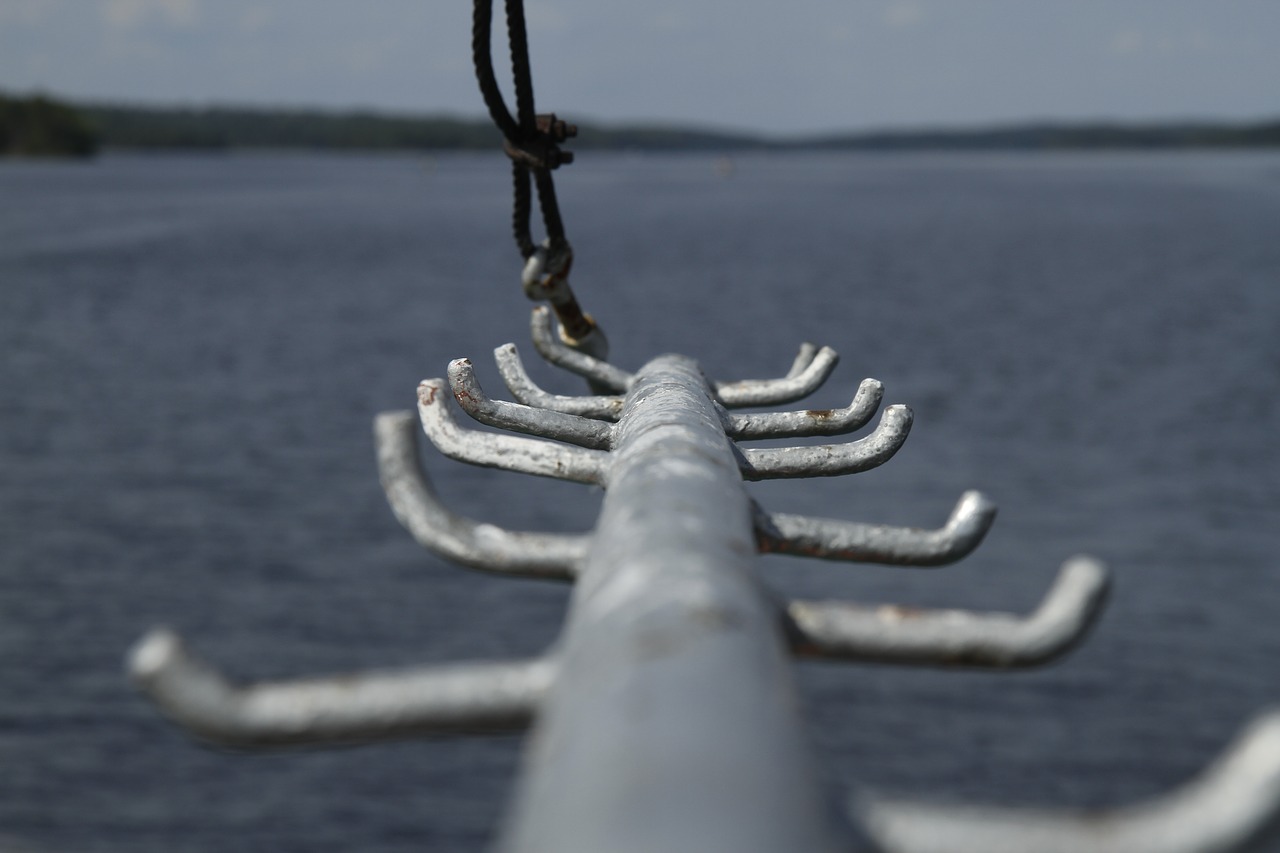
774, 66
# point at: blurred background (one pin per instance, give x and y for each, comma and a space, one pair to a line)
815, 66
1053, 231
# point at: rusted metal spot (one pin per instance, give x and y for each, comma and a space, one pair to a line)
821, 414
577, 324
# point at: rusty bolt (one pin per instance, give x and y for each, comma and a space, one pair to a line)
555, 128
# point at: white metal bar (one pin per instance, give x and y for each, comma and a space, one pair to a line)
497, 450
830, 460
830, 539
548, 343
1233, 805
466, 542
891, 634
584, 432
355, 708
673, 725
523, 388
747, 426
772, 392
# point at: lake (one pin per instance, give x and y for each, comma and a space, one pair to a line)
195, 346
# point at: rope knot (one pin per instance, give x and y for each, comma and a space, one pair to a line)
541, 149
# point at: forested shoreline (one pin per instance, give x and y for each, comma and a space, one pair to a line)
222, 127
38, 126
41, 126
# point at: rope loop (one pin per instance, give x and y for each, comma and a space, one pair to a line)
546, 272
532, 141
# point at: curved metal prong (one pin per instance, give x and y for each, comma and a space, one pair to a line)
509, 452
349, 708
803, 359
574, 429
743, 427
955, 637
1233, 805
830, 460
523, 389
461, 540
772, 392
546, 340
829, 539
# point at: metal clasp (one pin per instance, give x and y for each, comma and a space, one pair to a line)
546, 273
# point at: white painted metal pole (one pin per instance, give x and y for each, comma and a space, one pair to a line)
673, 724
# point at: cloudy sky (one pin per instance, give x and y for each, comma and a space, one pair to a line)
773, 65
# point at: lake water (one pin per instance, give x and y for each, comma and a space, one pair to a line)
194, 347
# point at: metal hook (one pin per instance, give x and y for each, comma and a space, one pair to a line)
955, 637
831, 460
459, 539
745, 427
523, 389
509, 452
574, 429
772, 392
546, 276
546, 272
350, 708
1232, 805
601, 374
803, 359
830, 539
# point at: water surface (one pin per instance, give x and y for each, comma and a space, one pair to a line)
194, 348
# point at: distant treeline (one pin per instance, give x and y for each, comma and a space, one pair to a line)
232, 127
37, 126
223, 127
1072, 136
41, 126
219, 127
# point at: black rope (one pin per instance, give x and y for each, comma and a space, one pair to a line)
521, 210
530, 140
550, 209
481, 36
520, 72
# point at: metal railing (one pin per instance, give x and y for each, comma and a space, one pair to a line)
665, 718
